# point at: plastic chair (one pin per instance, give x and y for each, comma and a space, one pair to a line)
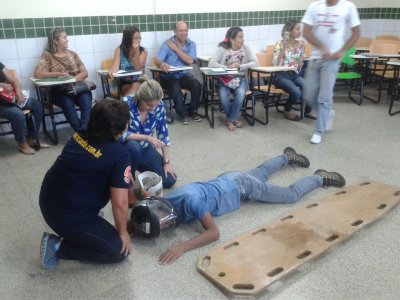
347, 74
105, 80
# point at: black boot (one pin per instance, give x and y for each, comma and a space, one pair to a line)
296, 159
331, 178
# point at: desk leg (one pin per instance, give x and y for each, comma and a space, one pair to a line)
395, 95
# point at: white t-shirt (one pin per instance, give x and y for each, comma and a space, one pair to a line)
330, 23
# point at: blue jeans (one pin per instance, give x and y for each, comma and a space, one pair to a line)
17, 118
293, 84
253, 185
67, 104
148, 159
98, 242
239, 93
174, 86
318, 89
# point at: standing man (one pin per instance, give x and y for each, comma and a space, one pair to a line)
179, 51
326, 23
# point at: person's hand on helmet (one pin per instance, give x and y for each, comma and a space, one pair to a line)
170, 255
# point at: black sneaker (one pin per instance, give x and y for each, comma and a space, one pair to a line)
195, 117
296, 159
331, 178
186, 120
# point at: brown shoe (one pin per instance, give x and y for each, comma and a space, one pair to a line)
291, 116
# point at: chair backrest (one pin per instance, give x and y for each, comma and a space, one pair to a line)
384, 47
270, 49
107, 63
264, 59
307, 50
363, 42
346, 59
388, 37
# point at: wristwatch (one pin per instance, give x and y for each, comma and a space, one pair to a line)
166, 161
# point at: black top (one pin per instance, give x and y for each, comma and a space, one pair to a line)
78, 184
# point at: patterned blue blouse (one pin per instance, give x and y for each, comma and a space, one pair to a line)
126, 65
156, 120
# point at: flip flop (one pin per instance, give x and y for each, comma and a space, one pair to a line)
238, 124
42, 145
28, 151
230, 125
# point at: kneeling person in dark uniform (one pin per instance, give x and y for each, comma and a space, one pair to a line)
92, 169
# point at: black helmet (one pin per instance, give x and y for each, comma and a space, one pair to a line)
151, 216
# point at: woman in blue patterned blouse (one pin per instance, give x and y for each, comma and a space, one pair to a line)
147, 116
129, 56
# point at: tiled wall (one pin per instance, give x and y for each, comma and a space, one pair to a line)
38, 27
95, 38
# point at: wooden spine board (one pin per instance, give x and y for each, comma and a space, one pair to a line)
236, 278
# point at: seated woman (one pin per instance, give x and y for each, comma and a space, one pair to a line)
58, 61
92, 169
147, 116
289, 52
129, 56
24, 137
232, 53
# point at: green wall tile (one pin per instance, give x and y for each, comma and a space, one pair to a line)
78, 30
40, 32
69, 30
58, 22
150, 27
142, 19
48, 22
103, 29
103, 20
111, 20
127, 19
85, 21
2, 34
95, 29
120, 20
77, 21
8, 24
86, 30
94, 20
67, 21
20, 33
30, 33
9, 33
19, 23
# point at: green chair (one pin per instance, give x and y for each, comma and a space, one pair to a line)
347, 73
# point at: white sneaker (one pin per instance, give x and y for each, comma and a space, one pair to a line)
329, 122
315, 139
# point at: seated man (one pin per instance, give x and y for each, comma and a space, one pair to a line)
179, 51
202, 200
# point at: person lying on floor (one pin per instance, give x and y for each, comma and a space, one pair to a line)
203, 200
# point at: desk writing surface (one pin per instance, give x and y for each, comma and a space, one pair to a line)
171, 68
217, 71
47, 81
274, 69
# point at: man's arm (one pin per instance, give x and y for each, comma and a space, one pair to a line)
210, 235
187, 59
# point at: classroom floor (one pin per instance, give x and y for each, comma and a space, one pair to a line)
363, 145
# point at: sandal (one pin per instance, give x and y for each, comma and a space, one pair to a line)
32, 143
238, 124
230, 125
26, 149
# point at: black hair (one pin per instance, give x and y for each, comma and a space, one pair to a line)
230, 34
107, 119
289, 26
127, 38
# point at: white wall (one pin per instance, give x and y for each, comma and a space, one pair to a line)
61, 8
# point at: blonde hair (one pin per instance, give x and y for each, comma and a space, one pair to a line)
149, 90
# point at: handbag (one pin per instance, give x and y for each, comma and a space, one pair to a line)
7, 97
77, 88
229, 81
